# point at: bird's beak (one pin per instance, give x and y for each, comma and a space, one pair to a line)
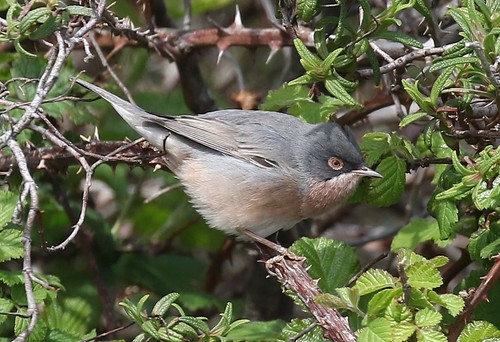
367, 172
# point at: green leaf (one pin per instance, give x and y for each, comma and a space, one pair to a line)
453, 303
348, 299
292, 329
485, 194
8, 201
164, 304
308, 60
478, 331
422, 8
332, 262
149, 328
416, 232
386, 191
422, 101
381, 300
398, 312
196, 324
257, 331
378, 330
336, 89
446, 213
491, 250
452, 62
374, 63
427, 318
440, 84
11, 278
403, 331
423, 275
285, 96
400, 38
374, 146
307, 9
374, 280
424, 335
327, 64
411, 118
10, 244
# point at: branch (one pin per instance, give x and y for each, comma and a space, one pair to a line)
480, 295
59, 158
294, 277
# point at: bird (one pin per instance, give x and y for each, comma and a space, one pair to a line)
251, 173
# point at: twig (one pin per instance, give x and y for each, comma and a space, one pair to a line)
404, 60
292, 274
480, 295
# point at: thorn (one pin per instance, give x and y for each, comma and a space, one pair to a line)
219, 56
238, 24
157, 167
96, 134
41, 165
85, 139
271, 54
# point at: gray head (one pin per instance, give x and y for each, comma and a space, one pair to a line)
330, 150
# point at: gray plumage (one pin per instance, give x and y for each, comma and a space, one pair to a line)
256, 170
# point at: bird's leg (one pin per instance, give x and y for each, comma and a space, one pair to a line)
265, 242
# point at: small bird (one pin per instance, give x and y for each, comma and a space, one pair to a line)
252, 172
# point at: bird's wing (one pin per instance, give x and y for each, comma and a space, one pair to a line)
263, 138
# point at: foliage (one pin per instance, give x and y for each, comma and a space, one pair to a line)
449, 102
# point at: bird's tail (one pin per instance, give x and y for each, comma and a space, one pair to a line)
142, 122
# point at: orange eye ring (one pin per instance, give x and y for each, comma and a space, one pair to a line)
336, 163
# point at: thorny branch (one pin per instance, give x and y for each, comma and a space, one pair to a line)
58, 55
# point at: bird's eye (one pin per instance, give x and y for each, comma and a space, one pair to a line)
336, 163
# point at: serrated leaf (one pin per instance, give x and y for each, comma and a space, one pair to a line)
398, 312
11, 278
411, 118
422, 275
164, 304
348, 299
447, 216
296, 326
374, 280
416, 232
256, 331
8, 201
285, 96
440, 84
403, 331
386, 191
10, 244
478, 331
381, 300
491, 250
378, 330
424, 335
332, 262
439, 261
427, 318
452, 62
453, 303
374, 146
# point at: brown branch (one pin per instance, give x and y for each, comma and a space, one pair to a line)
294, 277
59, 159
480, 295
